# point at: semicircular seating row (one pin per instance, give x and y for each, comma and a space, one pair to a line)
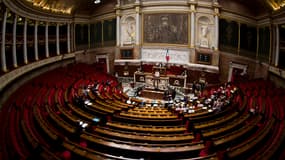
78, 112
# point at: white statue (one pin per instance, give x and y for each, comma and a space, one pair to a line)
131, 31
204, 42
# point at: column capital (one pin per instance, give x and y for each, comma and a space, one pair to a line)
216, 11
118, 12
192, 8
137, 9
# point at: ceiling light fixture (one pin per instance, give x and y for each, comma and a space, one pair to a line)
97, 1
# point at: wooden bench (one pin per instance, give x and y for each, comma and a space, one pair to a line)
147, 128
135, 120
148, 116
236, 135
145, 137
144, 149
225, 129
87, 153
240, 150
46, 127
60, 122
216, 122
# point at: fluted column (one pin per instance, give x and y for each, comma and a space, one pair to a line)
36, 41
192, 42
57, 39
137, 25
68, 38
3, 54
277, 46
46, 40
15, 64
25, 41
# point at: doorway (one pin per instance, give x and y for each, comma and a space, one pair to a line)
237, 72
103, 61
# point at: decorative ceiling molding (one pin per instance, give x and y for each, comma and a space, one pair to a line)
59, 6
21, 8
276, 4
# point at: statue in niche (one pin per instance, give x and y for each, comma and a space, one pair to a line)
129, 31
204, 31
204, 42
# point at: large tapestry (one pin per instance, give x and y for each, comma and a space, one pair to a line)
166, 28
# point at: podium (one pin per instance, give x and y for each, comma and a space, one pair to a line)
159, 79
159, 69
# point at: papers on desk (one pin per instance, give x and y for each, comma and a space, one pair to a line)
200, 105
191, 111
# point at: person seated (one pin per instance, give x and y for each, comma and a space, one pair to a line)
156, 74
252, 111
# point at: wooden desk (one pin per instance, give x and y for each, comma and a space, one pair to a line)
147, 128
143, 147
162, 81
154, 138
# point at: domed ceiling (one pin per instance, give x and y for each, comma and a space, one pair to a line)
88, 7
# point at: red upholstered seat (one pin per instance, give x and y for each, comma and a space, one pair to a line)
66, 155
83, 143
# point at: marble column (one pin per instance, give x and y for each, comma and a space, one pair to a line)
57, 40
25, 41
118, 29
137, 25
15, 63
36, 40
46, 40
192, 42
3, 54
68, 38
217, 32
